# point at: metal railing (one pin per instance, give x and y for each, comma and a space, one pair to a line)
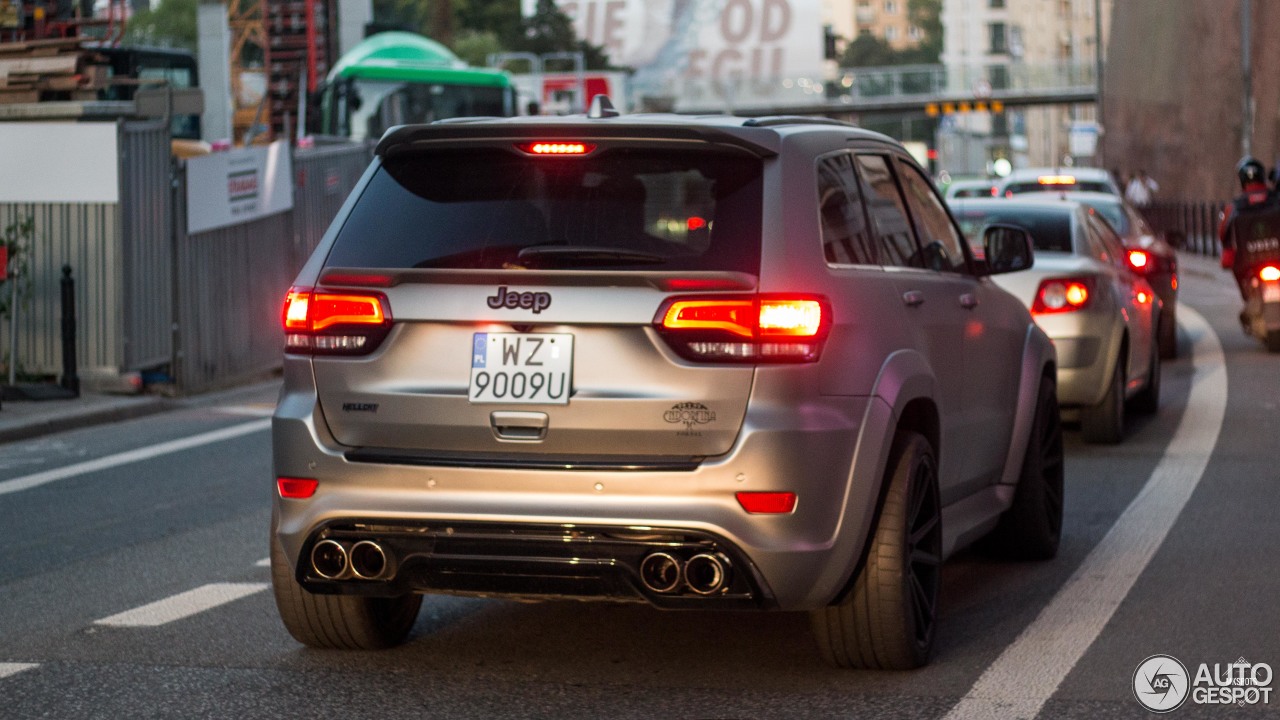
1189, 226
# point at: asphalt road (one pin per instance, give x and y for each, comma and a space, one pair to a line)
133, 584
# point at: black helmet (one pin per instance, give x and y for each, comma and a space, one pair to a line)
1249, 170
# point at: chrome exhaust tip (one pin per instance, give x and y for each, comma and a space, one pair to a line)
707, 573
368, 560
660, 572
329, 560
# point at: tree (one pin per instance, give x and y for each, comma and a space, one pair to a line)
871, 51
549, 30
172, 23
868, 51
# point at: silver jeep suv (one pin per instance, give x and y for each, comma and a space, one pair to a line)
695, 362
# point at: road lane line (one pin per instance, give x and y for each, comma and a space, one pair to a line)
1029, 671
183, 605
11, 669
146, 453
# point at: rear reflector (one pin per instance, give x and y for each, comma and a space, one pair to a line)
1270, 273
767, 503
297, 488
764, 328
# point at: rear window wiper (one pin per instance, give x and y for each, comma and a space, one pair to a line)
588, 254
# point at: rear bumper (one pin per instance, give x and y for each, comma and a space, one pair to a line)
1086, 348
546, 532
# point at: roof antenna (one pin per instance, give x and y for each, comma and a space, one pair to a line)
601, 107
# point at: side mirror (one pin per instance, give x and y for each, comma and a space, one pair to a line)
1007, 249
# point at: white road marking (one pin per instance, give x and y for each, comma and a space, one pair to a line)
1028, 672
264, 562
183, 605
27, 482
11, 669
252, 410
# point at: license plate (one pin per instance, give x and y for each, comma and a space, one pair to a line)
1271, 292
532, 368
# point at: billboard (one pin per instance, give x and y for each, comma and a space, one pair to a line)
708, 54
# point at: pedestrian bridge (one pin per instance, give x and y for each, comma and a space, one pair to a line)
929, 89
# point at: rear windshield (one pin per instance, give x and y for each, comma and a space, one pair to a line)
625, 209
1050, 229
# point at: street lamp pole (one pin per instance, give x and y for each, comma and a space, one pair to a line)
1097, 75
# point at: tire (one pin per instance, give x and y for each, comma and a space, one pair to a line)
339, 622
1272, 341
888, 620
1167, 335
1147, 402
1104, 423
1031, 529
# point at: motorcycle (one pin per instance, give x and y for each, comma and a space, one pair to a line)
1257, 267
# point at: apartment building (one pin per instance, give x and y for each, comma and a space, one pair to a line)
884, 19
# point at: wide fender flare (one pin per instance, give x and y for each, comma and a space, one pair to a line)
1039, 358
904, 376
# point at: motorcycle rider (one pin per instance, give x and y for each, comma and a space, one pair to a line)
1255, 197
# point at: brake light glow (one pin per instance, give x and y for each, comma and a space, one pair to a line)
349, 323
768, 328
296, 488
767, 503
1057, 180
1270, 273
1058, 295
1140, 260
557, 148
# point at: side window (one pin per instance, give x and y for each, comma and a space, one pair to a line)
888, 212
846, 238
939, 239
1110, 240
1093, 237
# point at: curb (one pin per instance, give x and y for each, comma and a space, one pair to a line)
54, 422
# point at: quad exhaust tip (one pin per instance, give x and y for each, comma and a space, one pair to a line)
366, 560
703, 574
329, 559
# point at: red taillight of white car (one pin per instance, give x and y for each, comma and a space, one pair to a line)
746, 329
1059, 295
1269, 273
322, 322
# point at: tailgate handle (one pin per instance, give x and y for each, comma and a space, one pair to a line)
519, 425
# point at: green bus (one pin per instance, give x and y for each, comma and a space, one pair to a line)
396, 78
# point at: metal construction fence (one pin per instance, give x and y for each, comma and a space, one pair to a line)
231, 281
203, 307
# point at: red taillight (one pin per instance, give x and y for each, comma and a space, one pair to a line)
296, 488
767, 503
1140, 260
341, 323
557, 147
1270, 273
1058, 295
764, 328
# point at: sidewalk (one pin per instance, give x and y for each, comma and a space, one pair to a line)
24, 419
